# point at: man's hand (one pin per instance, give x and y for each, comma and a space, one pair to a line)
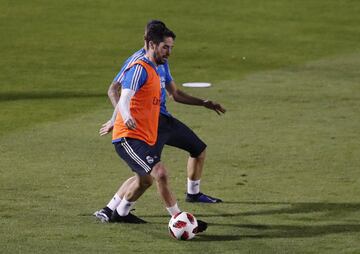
130, 123
106, 128
214, 106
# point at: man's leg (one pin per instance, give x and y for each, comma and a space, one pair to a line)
194, 169
134, 153
132, 193
105, 213
184, 138
160, 174
195, 166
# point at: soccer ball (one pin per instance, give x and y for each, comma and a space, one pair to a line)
183, 226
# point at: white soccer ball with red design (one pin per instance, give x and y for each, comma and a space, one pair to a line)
183, 226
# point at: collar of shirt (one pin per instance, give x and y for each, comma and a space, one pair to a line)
146, 60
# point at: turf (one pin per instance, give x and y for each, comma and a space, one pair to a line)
285, 157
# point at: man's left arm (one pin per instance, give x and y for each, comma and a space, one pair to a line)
182, 97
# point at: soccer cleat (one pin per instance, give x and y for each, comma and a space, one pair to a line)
130, 218
202, 226
201, 198
103, 215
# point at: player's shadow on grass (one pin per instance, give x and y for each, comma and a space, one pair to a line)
324, 210
291, 208
309, 212
295, 231
282, 231
13, 96
212, 238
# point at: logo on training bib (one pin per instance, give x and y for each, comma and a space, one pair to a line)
156, 101
150, 159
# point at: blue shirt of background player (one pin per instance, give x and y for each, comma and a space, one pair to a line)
163, 71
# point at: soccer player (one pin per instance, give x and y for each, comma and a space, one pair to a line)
136, 126
171, 131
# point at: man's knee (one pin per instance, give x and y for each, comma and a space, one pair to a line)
202, 155
160, 173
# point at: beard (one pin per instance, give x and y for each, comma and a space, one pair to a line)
158, 59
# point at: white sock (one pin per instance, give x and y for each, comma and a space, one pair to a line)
124, 208
114, 202
193, 187
173, 210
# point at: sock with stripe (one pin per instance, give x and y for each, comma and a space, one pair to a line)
114, 202
193, 187
124, 207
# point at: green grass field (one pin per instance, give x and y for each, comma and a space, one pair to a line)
285, 157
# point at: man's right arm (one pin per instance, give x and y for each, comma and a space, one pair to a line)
123, 107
